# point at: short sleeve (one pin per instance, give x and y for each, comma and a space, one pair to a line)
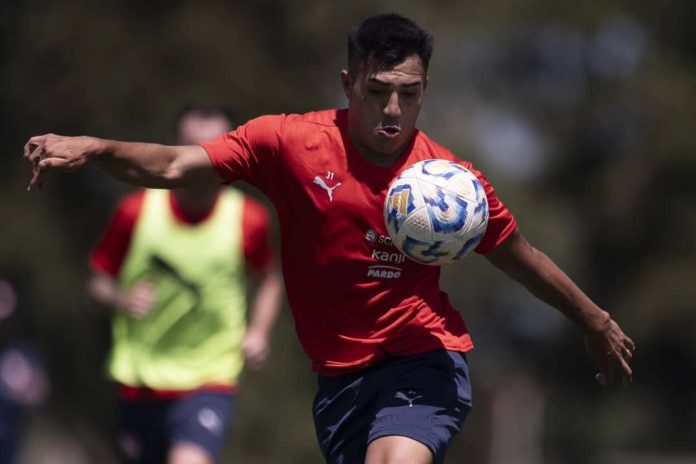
501, 222
257, 238
249, 152
111, 250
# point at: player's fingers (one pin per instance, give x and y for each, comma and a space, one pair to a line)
36, 155
36, 178
262, 354
142, 303
606, 371
630, 344
138, 308
145, 287
32, 144
38, 139
259, 363
256, 361
53, 163
599, 377
626, 372
255, 353
28, 149
145, 302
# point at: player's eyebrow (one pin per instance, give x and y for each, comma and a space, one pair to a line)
374, 80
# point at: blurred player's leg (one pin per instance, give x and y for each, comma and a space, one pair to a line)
197, 426
142, 438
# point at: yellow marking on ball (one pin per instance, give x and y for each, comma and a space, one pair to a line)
400, 201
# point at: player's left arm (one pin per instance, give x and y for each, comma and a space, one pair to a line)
606, 342
264, 309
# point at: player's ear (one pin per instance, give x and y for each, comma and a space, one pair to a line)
346, 83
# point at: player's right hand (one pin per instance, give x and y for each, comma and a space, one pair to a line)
613, 351
255, 349
51, 151
138, 300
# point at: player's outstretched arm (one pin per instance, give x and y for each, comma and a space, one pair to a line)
144, 164
606, 342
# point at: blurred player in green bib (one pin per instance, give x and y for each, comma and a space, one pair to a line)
173, 266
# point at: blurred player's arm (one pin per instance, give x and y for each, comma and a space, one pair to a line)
606, 342
144, 164
136, 301
264, 310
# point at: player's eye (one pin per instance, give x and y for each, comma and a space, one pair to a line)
377, 92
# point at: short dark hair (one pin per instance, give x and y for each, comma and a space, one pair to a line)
203, 110
385, 40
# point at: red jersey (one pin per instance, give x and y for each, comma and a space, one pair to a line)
355, 298
112, 249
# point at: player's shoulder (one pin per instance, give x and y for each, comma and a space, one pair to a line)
131, 203
328, 117
301, 124
311, 130
319, 118
427, 148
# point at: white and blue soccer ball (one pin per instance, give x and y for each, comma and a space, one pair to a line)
436, 211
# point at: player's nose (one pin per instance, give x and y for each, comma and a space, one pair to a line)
392, 109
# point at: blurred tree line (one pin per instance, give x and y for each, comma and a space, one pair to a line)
580, 114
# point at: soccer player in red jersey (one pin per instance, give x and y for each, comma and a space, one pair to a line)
173, 266
385, 341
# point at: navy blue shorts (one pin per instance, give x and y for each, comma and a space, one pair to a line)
425, 397
149, 428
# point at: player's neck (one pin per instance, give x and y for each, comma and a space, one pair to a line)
192, 211
382, 160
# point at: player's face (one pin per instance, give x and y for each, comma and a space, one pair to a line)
194, 129
384, 107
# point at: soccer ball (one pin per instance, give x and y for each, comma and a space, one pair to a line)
436, 211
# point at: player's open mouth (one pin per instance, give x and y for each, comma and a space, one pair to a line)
389, 132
